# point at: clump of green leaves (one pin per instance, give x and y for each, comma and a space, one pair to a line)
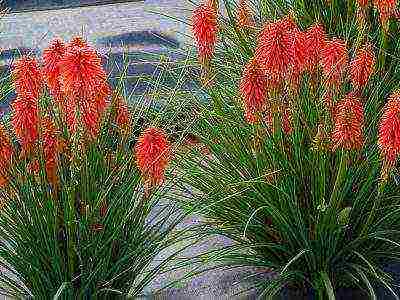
315, 217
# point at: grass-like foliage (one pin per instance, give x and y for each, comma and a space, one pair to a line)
294, 174
82, 183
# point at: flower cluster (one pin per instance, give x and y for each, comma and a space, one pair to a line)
349, 122
361, 67
282, 55
389, 130
77, 83
152, 155
386, 9
205, 28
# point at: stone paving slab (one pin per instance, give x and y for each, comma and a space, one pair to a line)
35, 29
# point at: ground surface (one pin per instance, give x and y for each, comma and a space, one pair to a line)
138, 26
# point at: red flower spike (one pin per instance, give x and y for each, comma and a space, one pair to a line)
25, 119
83, 82
51, 58
244, 18
334, 60
348, 124
315, 39
205, 28
28, 77
362, 67
82, 75
272, 52
152, 152
389, 129
253, 89
298, 56
386, 8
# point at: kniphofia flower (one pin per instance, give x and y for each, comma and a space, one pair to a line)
298, 55
334, 61
272, 52
253, 90
29, 84
51, 59
28, 77
362, 67
24, 119
389, 130
386, 8
152, 152
348, 124
314, 43
83, 82
205, 28
82, 74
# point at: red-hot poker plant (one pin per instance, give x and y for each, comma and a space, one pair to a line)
303, 178
81, 215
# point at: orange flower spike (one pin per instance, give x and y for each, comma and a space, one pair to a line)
153, 153
362, 67
348, 124
82, 75
253, 90
25, 119
315, 39
51, 58
83, 81
389, 130
244, 18
272, 52
298, 56
28, 77
386, 8
205, 28
334, 61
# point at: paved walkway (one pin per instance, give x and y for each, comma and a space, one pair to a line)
35, 29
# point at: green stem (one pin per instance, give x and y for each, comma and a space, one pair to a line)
374, 209
334, 201
383, 49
